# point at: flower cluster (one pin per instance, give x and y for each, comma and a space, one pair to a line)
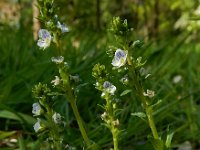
108, 93
49, 122
53, 27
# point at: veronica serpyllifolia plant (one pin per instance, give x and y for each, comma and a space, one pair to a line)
48, 121
124, 60
110, 108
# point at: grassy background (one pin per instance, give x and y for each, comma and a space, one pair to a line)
22, 65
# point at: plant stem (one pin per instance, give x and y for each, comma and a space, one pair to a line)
72, 102
151, 123
113, 126
71, 98
115, 138
140, 90
80, 124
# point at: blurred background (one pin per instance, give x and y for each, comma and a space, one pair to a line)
169, 30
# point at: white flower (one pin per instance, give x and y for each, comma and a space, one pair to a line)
115, 122
149, 93
119, 58
37, 126
57, 60
103, 116
44, 40
110, 88
62, 27
124, 80
177, 79
36, 110
56, 81
56, 118
97, 84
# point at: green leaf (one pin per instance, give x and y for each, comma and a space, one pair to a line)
139, 114
137, 44
21, 143
157, 103
125, 92
4, 134
19, 116
169, 139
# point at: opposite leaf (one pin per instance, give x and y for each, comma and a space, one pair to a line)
125, 92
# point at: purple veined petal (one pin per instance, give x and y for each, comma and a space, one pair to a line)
62, 27
44, 34
109, 87
36, 109
120, 53
116, 62
37, 125
44, 40
106, 84
119, 58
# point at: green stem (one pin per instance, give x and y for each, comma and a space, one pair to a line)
72, 102
140, 91
58, 44
151, 123
113, 127
69, 93
80, 124
115, 138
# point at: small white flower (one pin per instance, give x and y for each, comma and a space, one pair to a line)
110, 88
115, 122
56, 118
103, 116
125, 79
97, 84
56, 16
177, 79
103, 94
149, 93
36, 110
37, 126
119, 58
62, 27
44, 40
56, 81
57, 60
